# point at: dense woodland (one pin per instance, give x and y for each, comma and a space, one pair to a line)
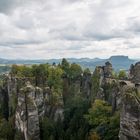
85, 116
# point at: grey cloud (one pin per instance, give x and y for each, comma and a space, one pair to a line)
100, 36
7, 5
134, 24
19, 43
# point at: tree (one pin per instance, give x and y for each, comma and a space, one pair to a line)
102, 122
40, 72
99, 113
6, 130
75, 71
65, 66
76, 127
21, 71
87, 72
122, 74
14, 69
55, 79
47, 129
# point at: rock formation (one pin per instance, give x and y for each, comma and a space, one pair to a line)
130, 112
29, 104
135, 73
27, 118
130, 115
124, 96
86, 84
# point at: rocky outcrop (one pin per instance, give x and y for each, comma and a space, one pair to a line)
104, 72
54, 105
33, 104
122, 95
27, 115
130, 115
108, 87
4, 102
86, 84
135, 73
108, 69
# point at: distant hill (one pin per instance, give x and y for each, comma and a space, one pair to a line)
118, 62
121, 62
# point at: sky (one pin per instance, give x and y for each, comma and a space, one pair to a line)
44, 29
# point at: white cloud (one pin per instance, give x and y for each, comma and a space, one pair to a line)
69, 28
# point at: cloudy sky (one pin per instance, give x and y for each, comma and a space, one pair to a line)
34, 29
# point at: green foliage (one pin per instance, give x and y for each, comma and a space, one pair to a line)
18, 135
65, 66
114, 75
75, 71
48, 130
86, 72
95, 84
102, 122
40, 73
75, 124
6, 129
99, 113
122, 74
55, 78
51, 130
21, 71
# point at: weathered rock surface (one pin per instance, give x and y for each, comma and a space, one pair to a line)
53, 105
27, 118
130, 115
33, 104
135, 73
86, 84
108, 69
124, 96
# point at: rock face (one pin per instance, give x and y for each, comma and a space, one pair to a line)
124, 96
4, 99
108, 69
27, 118
29, 104
104, 71
86, 84
135, 73
33, 104
53, 105
130, 115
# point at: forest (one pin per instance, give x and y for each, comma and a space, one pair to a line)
64, 101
